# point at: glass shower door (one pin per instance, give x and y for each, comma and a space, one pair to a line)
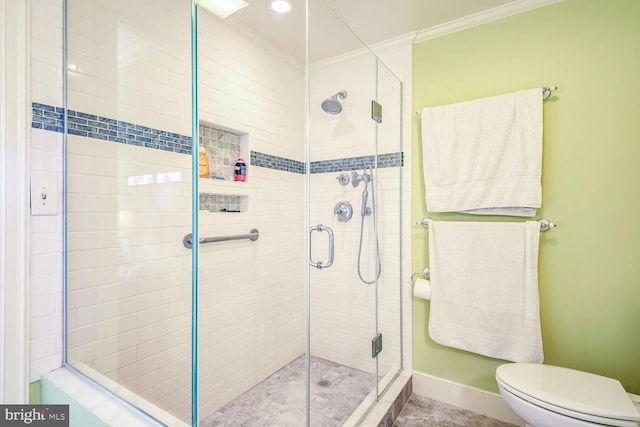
349, 197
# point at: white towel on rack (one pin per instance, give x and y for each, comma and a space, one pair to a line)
484, 288
484, 156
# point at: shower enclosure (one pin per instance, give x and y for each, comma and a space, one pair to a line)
284, 312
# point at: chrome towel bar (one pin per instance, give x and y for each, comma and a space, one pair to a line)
252, 235
546, 94
545, 224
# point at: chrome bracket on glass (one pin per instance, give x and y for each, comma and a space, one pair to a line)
376, 111
320, 265
376, 345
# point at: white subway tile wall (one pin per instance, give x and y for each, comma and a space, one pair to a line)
129, 281
250, 86
343, 307
45, 275
129, 207
131, 62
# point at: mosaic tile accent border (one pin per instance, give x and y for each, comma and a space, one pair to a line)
338, 165
354, 163
279, 163
51, 118
47, 117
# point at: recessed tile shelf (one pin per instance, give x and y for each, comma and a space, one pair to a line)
223, 147
223, 203
226, 187
220, 196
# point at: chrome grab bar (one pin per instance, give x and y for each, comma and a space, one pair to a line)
252, 235
320, 265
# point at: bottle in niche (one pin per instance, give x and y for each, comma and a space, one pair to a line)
203, 163
240, 170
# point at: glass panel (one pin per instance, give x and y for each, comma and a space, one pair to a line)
251, 302
129, 203
389, 209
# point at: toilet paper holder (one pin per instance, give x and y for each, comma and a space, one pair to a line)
426, 273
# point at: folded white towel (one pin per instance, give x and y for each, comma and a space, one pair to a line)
484, 288
484, 156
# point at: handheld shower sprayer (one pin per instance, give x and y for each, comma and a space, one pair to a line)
366, 211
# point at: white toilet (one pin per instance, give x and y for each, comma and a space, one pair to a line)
551, 396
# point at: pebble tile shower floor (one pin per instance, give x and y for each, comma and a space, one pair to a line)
279, 401
336, 391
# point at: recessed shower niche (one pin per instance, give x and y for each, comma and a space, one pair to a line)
223, 146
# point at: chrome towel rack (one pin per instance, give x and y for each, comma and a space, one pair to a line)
252, 235
545, 224
546, 94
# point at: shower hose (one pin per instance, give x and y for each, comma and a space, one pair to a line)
364, 213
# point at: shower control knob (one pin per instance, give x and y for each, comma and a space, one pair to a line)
343, 178
344, 211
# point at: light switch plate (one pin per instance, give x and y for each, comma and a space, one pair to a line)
44, 194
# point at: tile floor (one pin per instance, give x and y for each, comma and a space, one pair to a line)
422, 412
279, 401
336, 391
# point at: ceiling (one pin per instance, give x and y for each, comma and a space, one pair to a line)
373, 21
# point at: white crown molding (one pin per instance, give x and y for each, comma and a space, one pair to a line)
469, 21
396, 42
405, 40
490, 15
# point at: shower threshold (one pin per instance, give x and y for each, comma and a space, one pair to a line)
279, 400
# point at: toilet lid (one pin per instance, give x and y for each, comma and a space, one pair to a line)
570, 389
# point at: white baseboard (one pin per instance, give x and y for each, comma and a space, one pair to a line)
466, 397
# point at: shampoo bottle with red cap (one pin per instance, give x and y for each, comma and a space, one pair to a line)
240, 170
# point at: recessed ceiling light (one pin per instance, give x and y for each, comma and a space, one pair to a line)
281, 6
223, 8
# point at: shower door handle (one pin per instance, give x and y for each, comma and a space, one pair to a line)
320, 265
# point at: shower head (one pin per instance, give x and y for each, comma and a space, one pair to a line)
332, 105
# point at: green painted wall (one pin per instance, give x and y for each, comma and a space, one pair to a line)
589, 267
34, 393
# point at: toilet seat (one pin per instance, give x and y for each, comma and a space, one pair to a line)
569, 392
